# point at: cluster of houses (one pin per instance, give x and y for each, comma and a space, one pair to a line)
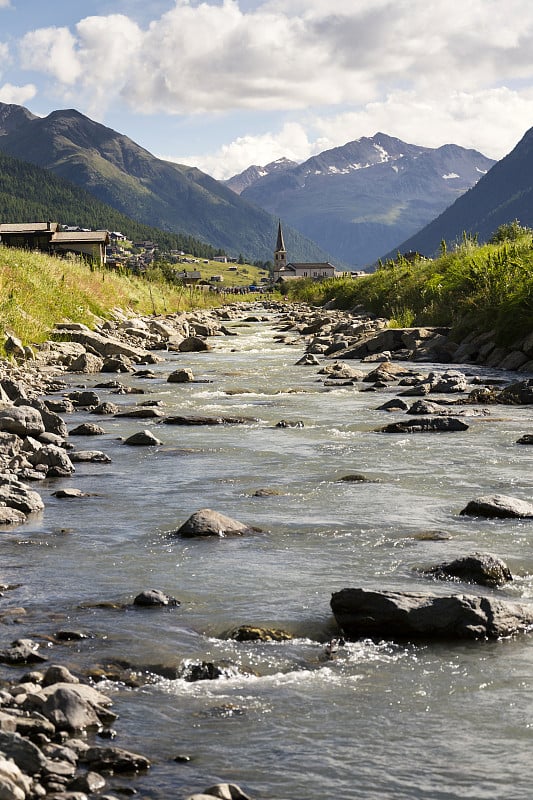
113, 249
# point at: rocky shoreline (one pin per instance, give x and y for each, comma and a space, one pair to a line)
49, 718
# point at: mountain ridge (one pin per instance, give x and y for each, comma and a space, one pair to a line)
162, 194
360, 198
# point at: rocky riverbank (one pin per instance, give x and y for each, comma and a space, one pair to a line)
51, 719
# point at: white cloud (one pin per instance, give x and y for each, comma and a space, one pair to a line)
290, 142
4, 4
52, 50
19, 95
424, 71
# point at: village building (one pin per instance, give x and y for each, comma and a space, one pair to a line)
287, 270
49, 238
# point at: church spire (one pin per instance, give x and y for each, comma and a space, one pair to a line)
280, 253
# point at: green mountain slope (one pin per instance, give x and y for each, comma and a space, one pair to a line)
119, 172
29, 194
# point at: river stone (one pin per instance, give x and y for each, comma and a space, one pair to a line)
105, 408
89, 457
23, 420
224, 791
251, 633
181, 376
520, 393
86, 363
143, 438
498, 505
118, 363
90, 783
24, 753
16, 494
22, 651
53, 458
482, 568
424, 616
155, 597
193, 344
87, 429
11, 516
206, 522
425, 425
14, 785
84, 399
114, 759
396, 404
68, 711
527, 438
199, 420
57, 673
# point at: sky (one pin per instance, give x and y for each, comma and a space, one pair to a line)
224, 84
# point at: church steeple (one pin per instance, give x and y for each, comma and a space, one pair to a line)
280, 253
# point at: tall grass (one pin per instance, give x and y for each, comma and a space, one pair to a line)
36, 291
473, 288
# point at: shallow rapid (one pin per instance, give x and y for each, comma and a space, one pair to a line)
286, 721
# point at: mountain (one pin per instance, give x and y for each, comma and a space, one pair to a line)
116, 170
29, 193
238, 183
502, 195
364, 198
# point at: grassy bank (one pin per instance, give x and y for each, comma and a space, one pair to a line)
473, 288
36, 291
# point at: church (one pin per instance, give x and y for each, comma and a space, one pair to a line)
286, 270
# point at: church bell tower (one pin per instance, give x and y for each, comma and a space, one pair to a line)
280, 253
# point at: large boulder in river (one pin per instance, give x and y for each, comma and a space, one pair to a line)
425, 425
482, 568
498, 505
22, 420
207, 522
425, 616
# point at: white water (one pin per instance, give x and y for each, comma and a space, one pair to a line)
378, 721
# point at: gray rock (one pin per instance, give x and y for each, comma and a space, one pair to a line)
102, 345
224, 791
199, 420
424, 616
87, 429
11, 516
56, 673
84, 399
90, 783
527, 438
155, 597
105, 408
86, 363
14, 785
425, 425
520, 393
193, 344
22, 651
396, 404
24, 420
120, 363
14, 347
53, 458
498, 505
181, 376
24, 753
114, 759
69, 494
482, 568
89, 456
16, 494
206, 522
143, 438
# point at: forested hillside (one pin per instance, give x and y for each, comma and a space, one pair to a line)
30, 194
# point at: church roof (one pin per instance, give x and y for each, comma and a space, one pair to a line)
280, 244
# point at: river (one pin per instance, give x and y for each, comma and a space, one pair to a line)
377, 721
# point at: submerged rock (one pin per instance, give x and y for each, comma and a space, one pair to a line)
498, 505
155, 597
425, 616
482, 568
143, 438
425, 425
224, 791
207, 522
251, 633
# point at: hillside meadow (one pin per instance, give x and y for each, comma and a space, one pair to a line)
472, 288
38, 290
